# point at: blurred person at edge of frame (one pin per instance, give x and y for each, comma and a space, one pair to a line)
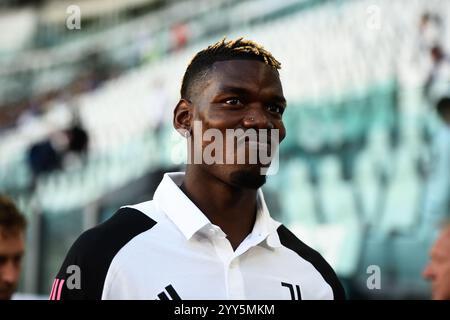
12, 247
438, 269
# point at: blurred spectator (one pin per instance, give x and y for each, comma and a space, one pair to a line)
12, 247
437, 198
438, 269
438, 78
431, 31
48, 155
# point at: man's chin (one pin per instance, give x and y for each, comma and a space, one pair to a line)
249, 178
5, 295
440, 295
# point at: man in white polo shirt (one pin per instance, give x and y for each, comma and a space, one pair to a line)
207, 233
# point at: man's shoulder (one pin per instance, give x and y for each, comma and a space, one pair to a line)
95, 249
124, 225
148, 208
290, 241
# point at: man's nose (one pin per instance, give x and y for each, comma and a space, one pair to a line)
257, 118
10, 272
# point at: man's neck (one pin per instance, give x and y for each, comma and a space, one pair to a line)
232, 209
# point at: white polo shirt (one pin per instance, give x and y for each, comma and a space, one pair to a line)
168, 249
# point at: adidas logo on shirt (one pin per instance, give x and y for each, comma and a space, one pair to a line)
173, 295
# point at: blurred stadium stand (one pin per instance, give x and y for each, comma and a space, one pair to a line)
349, 182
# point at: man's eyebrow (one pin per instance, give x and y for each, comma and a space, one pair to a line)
233, 89
245, 91
280, 99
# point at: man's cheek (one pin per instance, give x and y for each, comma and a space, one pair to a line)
282, 133
445, 282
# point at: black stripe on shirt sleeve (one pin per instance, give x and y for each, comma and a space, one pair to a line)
289, 240
94, 251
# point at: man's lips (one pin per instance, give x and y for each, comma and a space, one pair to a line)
253, 141
257, 145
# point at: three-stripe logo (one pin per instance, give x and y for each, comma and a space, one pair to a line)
172, 293
57, 287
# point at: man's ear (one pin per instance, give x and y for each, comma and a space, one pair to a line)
182, 117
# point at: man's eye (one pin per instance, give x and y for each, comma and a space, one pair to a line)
276, 109
233, 101
18, 259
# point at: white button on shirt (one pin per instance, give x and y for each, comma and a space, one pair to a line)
175, 252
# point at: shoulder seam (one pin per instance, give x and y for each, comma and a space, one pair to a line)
96, 248
315, 258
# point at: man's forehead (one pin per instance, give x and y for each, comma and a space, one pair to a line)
445, 236
442, 246
12, 248
239, 68
249, 74
11, 236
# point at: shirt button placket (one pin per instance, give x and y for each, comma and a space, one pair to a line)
235, 280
